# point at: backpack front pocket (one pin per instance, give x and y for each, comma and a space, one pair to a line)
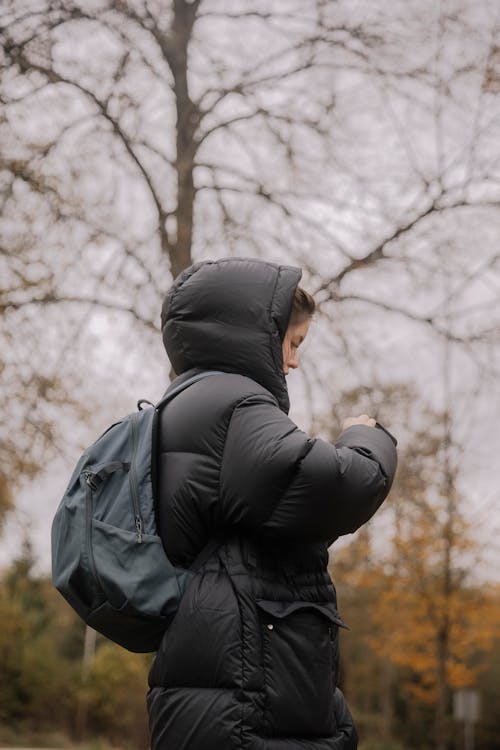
136, 575
297, 652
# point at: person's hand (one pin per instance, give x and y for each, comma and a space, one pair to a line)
362, 419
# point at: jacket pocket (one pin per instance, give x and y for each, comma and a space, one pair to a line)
298, 641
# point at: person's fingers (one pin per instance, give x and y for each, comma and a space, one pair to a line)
363, 419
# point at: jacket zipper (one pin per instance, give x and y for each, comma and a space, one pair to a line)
134, 490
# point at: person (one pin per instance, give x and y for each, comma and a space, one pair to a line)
250, 659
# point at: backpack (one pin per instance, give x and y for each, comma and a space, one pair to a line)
107, 558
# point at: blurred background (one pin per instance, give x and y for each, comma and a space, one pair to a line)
357, 139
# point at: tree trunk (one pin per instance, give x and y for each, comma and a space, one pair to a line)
387, 679
443, 691
443, 635
188, 118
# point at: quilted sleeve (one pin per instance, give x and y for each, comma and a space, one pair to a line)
276, 479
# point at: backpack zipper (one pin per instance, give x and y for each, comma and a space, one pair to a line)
134, 490
88, 503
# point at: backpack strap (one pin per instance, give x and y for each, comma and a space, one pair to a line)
171, 393
206, 552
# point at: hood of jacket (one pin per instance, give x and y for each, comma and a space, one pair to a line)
231, 315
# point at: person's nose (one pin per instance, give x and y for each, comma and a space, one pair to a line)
294, 362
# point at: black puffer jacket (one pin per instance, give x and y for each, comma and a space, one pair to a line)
249, 661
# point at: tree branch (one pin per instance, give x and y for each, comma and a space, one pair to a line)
426, 320
55, 78
378, 252
53, 299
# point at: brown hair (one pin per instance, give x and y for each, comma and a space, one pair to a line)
303, 307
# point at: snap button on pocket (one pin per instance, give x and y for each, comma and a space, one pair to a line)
288, 628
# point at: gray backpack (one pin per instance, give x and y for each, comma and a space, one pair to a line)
107, 558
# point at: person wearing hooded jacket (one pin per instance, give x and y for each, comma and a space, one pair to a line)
250, 660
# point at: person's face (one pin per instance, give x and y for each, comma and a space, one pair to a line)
294, 337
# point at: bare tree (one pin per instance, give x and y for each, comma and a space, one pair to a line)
138, 136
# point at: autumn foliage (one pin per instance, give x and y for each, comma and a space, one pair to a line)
418, 609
